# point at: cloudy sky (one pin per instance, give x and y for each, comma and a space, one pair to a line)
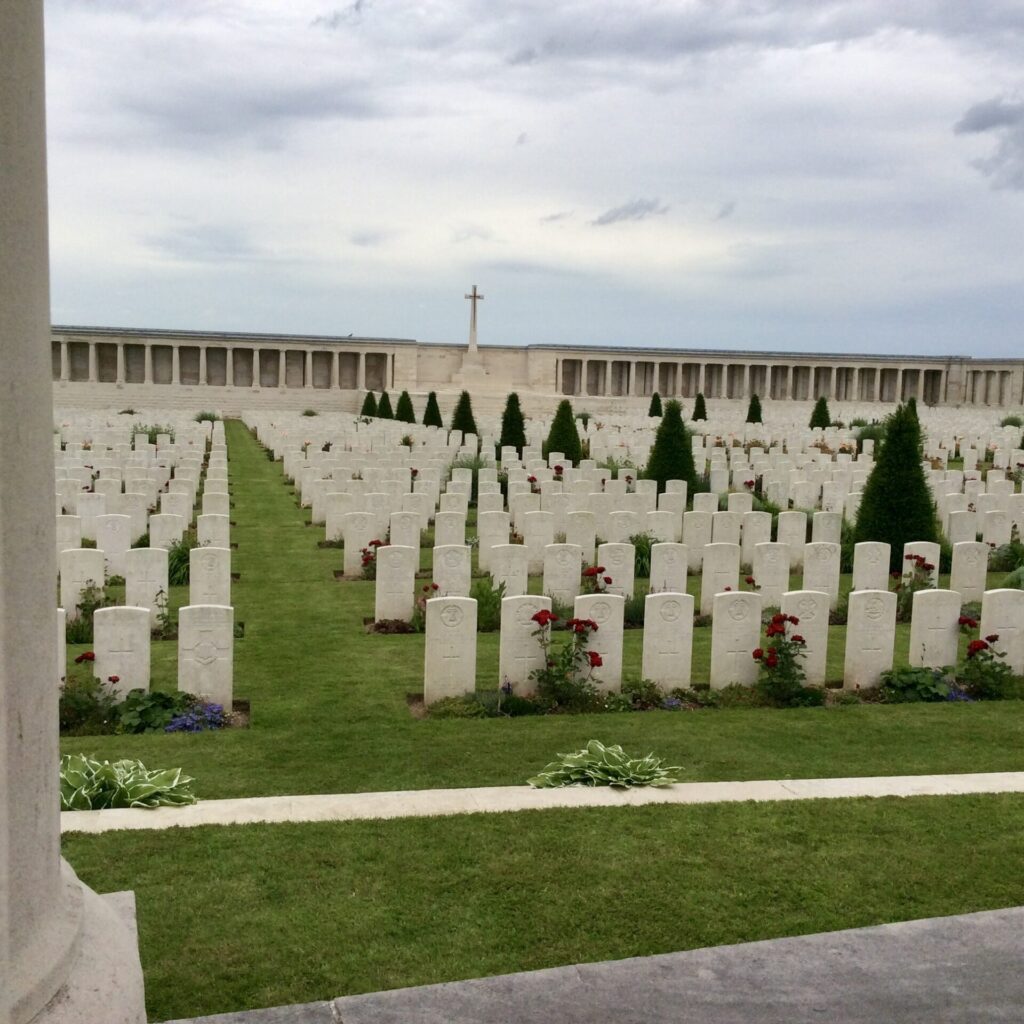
766, 174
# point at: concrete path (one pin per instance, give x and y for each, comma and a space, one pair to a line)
433, 802
944, 970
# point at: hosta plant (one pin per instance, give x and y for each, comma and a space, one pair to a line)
598, 765
90, 785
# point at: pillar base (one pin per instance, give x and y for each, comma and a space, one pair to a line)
104, 980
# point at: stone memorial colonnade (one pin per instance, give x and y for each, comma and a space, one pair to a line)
158, 367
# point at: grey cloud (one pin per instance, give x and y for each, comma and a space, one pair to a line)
553, 218
726, 210
350, 15
638, 209
470, 233
1005, 167
206, 243
522, 139
526, 55
994, 113
369, 237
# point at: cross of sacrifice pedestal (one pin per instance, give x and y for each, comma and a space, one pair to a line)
474, 297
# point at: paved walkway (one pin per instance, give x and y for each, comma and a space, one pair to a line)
433, 802
943, 970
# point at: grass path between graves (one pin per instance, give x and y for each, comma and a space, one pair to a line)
249, 916
329, 711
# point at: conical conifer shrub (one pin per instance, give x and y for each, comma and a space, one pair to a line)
513, 427
404, 411
432, 412
384, 407
369, 405
655, 406
820, 417
897, 506
462, 417
563, 436
754, 410
671, 456
699, 410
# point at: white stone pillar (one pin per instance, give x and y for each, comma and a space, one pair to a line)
147, 373
700, 379
65, 363
202, 364
282, 366
94, 374
335, 371
255, 367
175, 364
361, 371
119, 376
307, 377
64, 953
229, 368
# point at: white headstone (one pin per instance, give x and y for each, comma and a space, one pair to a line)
969, 570
449, 666
870, 635
209, 576
519, 651
395, 582
619, 561
113, 538
811, 608
1002, 614
121, 645
79, 568
735, 633
668, 639
452, 570
607, 611
719, 574
771, 571
871, 565
508, 566
934, 628
821, 569
145, 579
668, 568
206, 652
563, 564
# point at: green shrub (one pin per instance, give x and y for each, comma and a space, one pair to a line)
671, 455
654, 409
432, 412
86, 707
633, 610
309, 412
897, 505
458, 707
513, 426
151, 711
563, 435
178, 557
911, 685
598, 765
80, 629
1015, 581
488, 603
870, 432
1006, 557
89, 785
754, 410
820, 417
1012, 421
404, 411
151, 430
700, 411
204, 417
642, 544
369, 407
462, 417
384, 411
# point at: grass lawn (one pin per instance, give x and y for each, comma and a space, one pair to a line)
329, 700
249, 916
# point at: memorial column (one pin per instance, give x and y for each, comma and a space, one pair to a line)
65, 955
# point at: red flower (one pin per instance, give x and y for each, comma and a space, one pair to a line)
85, 656
376, 543
727, 588
966, 620
895, 575
531, 479
771, 661
435, 586
777, 618
590, 571
975, 646
600, 568
629, 479
748, 483
750, 581
608, 580
414, 473
798, 639
793, 619
113, 679
992, 637
544, 617
559, 470
928, 567
595, 659
775, 630
758, 653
